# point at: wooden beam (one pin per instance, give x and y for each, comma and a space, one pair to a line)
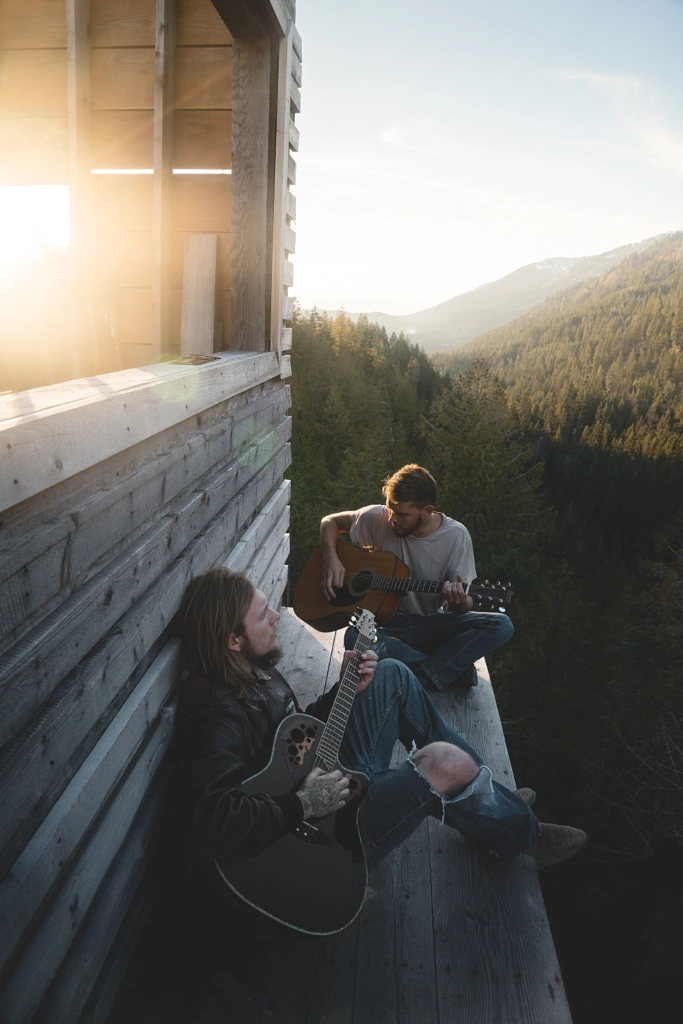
78, 156
256, 19
199, 295
164, 108
249, 272
280, 190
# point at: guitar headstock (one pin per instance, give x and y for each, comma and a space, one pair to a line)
498, 594
364, 622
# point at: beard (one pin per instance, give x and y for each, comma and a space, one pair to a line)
405, 531
264, 659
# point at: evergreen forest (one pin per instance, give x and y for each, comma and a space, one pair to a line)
558, 440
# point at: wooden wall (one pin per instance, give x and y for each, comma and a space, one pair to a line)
98, 540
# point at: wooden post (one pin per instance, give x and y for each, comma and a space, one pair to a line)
249, 271
281, 187
199, 295
78, 148
164, 110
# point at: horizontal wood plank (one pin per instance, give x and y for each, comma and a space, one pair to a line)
25, 888
117, 895
203, 139
34, 151
291, 170
123, 78
293, 136
122, 138
286, 339
285, 366
33, 83
201, 203
128, 406
296, 68
296, 43
200, 24
122, 22
269, 574
289, 239
33, 24
295, 98
50, 561
243, 553
288, 274
276, 543
204, 78
57, 643
37, 766
290, 205
41, 959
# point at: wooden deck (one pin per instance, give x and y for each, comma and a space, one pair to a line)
450, 935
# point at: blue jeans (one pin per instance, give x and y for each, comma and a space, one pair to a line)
443, 645
395, 706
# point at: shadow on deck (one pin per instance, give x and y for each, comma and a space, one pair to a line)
450, 934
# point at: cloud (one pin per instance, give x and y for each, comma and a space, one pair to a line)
639, 108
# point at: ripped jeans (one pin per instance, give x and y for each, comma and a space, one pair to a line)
395, 706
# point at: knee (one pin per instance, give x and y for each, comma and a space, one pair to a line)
504, 628
447, 768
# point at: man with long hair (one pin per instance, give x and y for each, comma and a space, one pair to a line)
232, 701
440, 649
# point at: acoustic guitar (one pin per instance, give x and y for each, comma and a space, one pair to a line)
376, 580
314, 878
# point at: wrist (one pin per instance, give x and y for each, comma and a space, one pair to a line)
305, 803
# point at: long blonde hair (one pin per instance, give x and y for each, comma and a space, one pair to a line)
215, 606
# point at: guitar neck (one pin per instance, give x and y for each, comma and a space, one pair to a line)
328, 748
405, 586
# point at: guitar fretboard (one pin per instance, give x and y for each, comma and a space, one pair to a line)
405, 586
328, 748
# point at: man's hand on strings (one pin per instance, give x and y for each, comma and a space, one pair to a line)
333, 575
368, 664
458, 601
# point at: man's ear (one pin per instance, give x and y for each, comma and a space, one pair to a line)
235, 643
428, 509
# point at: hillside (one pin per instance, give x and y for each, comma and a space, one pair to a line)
602, 361
453, 323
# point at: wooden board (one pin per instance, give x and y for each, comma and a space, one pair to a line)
204, 78
58, 642
123, 22
32, 24
25, 888
134, 315
123, 78
40, 760
48, 946
200, 24
203, 139
91, 420
33, 83
122, 138
199, 295
42, 568
201, 203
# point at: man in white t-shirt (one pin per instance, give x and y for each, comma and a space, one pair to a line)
440, 648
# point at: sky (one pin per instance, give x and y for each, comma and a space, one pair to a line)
446, 143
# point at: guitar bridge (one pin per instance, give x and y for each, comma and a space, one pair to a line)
310, 834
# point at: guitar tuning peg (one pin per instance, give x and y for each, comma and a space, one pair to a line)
486, 582
497, 583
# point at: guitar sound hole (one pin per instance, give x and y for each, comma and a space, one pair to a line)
361, 582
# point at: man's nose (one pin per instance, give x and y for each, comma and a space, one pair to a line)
275, 615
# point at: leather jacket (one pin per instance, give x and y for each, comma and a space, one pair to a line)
219, 743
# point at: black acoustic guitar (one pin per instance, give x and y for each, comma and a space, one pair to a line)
314, 878
376, 580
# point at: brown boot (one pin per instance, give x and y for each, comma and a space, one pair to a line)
557, 843
527, 795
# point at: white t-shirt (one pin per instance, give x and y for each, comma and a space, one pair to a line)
441, 556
